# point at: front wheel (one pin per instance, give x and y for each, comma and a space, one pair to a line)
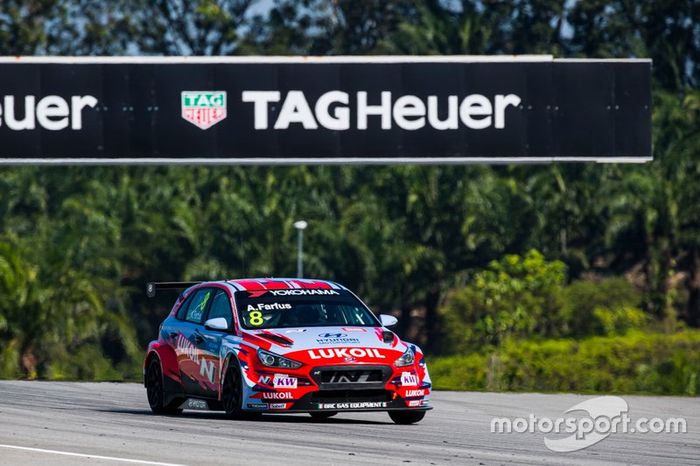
406, 417
156, 392
232, 392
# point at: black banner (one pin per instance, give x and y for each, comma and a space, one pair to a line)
316, 110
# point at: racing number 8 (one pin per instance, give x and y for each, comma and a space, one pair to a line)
255, 318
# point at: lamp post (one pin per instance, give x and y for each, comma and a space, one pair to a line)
300, 225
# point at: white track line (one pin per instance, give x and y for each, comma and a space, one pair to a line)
82, 455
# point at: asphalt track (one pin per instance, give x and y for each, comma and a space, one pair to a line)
61, 423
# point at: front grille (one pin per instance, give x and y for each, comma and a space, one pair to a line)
351, 377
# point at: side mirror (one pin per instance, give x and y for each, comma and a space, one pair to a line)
387, 320
218, 323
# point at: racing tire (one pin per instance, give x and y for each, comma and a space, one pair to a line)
406, 417
322, 415
232, 391
156, 392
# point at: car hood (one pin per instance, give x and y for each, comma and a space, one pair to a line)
305, 338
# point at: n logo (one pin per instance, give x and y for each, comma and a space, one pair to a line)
206, 369
203, 109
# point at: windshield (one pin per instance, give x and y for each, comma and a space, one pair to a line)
301, 308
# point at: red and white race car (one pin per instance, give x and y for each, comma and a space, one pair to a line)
282, 346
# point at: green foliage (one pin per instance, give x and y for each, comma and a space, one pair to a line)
635, 363
600, 307
52, 311
525, 297
514, 297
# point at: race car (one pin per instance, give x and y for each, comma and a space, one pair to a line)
252, 346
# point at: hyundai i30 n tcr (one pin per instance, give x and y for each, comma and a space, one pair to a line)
282, 346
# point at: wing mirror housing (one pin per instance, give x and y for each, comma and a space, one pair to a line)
218, 323
387, 320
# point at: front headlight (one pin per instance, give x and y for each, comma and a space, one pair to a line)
275, 360
406, 359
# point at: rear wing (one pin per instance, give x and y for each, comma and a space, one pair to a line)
152, 287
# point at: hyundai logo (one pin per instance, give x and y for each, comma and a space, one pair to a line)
332, 335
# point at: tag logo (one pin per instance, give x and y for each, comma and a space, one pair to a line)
203, 109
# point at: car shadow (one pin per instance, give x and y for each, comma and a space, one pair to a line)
218, 415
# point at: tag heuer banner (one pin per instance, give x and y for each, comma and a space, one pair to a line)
278, 110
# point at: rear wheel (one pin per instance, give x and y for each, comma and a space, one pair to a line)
406, 417
156, 392
322, 415
232, 392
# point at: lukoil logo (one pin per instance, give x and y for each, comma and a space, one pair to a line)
350, 353
203, 109
604, 415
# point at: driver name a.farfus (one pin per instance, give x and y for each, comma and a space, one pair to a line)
333, 110
333, 353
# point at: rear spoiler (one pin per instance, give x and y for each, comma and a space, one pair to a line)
152, 287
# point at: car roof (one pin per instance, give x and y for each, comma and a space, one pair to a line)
256, 284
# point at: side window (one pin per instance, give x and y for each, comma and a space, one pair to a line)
182, 310
220, 307
197, 305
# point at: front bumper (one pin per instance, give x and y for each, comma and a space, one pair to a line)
346, 388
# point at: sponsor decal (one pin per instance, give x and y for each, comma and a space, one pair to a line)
335, 339
206, 368
265, 380
311, 292
332, 110
284, 381
277, 396
185, 346
257, 405
269, 307
409, 380
332, 335
412, 393
347, 353
295, 330
356, 405
52, 112
353, 329
203, 109
413, 403
278, 405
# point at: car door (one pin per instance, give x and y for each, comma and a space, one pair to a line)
210, 343
189, 341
